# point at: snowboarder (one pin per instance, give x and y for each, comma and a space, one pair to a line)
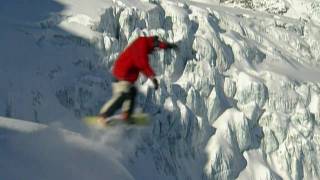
133, 60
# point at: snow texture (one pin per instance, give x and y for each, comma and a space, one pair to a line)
239, 100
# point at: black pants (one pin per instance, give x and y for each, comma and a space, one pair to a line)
123, 95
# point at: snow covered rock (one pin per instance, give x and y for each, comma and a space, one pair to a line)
224, 149
241, 92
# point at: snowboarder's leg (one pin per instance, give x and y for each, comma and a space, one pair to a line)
129, 103
120, 92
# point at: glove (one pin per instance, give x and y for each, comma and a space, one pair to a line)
155, 83
172, 46
156, 41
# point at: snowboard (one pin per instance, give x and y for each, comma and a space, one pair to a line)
139, 119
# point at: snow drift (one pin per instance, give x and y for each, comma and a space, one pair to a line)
35, 151
242, 92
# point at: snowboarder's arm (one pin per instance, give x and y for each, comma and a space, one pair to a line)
163, 44
145, 67
148, 71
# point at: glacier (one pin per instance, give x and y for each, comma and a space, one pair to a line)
239, 100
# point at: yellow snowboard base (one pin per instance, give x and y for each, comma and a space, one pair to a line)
140, 119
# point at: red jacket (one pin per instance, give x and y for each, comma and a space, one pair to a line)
134, 59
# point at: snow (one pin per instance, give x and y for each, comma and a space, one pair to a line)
42, 152
239, 100
256, 167
92, 9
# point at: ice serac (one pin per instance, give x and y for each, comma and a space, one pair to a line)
239, 100
238, 78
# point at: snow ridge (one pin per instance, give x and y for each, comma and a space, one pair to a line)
242, 92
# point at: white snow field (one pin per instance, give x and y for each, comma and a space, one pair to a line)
239, 100
34, 151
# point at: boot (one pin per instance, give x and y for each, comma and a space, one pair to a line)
101, 121
126, 118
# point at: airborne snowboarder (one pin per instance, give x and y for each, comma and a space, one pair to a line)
133, 60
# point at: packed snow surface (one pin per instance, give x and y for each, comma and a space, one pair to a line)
239, 100
34, 151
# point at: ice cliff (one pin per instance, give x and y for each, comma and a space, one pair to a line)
239, 100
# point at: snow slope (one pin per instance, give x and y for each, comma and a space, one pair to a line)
35, 151
308, 10
240, 100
